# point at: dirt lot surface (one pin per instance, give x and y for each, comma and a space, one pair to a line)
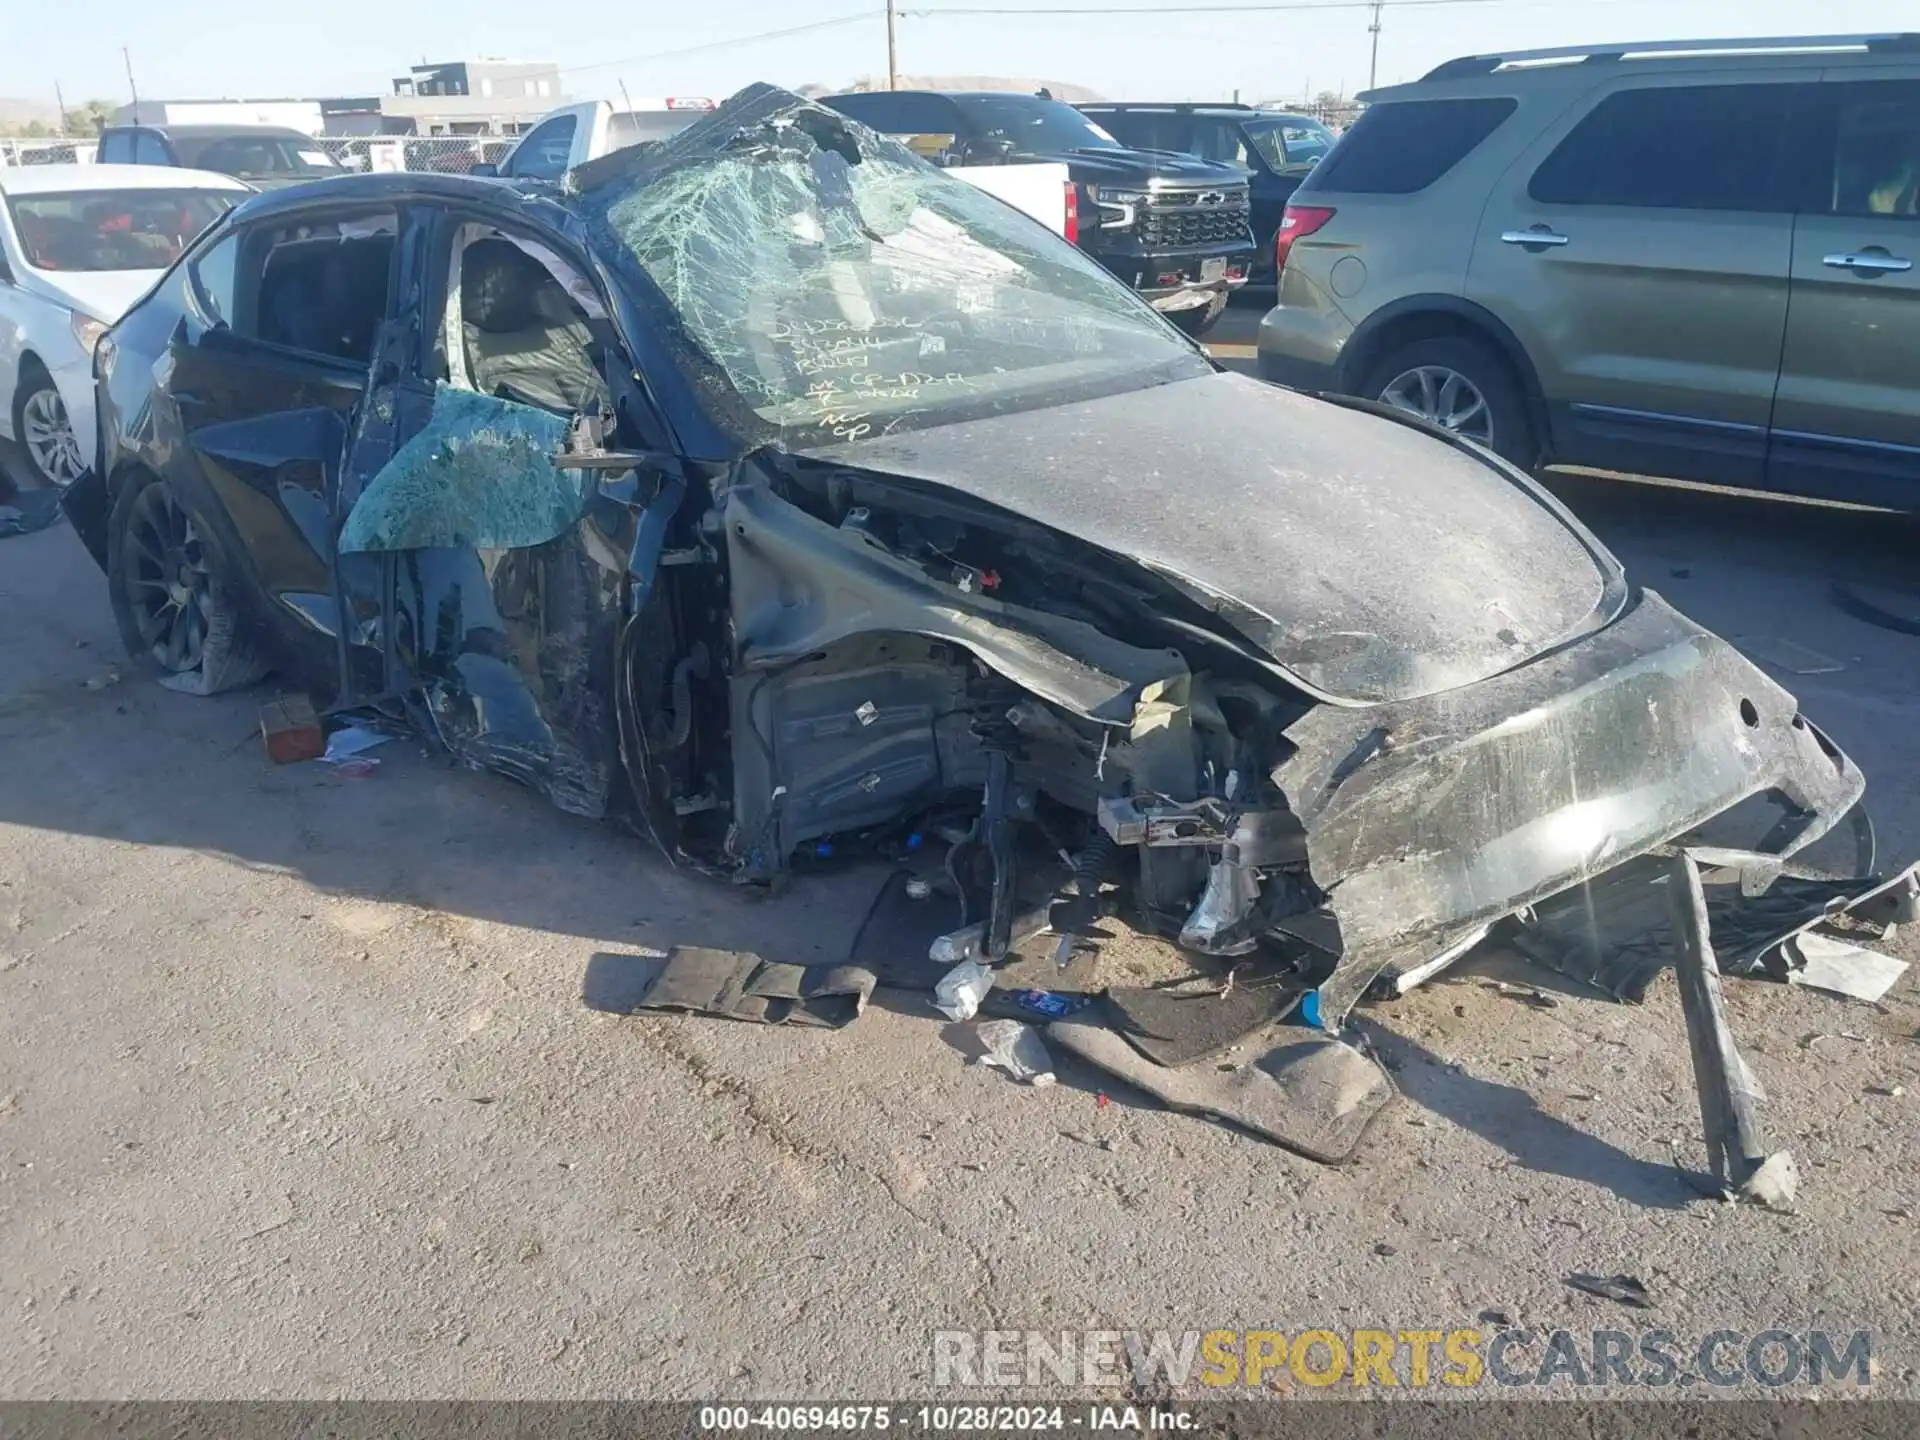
299, 1095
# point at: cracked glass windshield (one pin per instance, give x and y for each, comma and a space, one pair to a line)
845, 288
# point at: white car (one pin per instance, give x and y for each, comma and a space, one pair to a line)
78, 245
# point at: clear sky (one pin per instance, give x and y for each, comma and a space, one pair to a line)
268, 48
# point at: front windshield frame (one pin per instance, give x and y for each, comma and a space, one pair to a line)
965, 307
36, 254
1268, 134
1033, 124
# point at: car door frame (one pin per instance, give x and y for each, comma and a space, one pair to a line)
1822, 461
266, 440
1587, 429
598, 573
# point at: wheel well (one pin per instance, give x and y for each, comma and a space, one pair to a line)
30, 363
1437, 323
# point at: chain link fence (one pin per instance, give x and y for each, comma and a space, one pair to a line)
440, 154
53, 150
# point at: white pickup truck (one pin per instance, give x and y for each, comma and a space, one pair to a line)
575, 134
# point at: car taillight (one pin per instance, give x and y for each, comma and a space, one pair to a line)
1073, 214
1297, 221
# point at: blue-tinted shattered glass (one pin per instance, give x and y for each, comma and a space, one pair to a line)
481, 473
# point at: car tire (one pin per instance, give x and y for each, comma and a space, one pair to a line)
172, 605
1461, 385
1202, 318
43, 430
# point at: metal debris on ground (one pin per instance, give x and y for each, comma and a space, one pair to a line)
105, 680
1622, 1288
1526, 994
1015, 1048
961, 989
1821, 962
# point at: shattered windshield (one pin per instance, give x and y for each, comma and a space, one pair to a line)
842, 287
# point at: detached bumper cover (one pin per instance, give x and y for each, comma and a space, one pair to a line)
1429, 818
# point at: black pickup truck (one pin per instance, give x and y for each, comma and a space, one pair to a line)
1174, 227
1275, 148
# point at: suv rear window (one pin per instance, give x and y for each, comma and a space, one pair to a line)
1691, 147
1402, 147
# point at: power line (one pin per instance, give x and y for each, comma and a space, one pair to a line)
1174, 11
853, 19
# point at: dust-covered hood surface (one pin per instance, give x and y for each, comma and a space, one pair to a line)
1371, 560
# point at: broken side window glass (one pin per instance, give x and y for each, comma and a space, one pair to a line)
841, 286
521, 323
481, 473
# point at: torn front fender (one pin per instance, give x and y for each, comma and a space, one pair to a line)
1430, 817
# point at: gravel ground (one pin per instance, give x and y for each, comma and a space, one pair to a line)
299, 1096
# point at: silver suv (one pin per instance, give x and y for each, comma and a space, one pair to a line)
1684, 258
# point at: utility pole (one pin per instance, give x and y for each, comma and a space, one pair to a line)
132, 88
1373, 65
61, 101
893, 67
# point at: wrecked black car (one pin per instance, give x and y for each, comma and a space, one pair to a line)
768, 487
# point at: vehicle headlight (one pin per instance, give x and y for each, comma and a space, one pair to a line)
1117, 206
87, 331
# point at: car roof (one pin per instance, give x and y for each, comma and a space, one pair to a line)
1501, 71
219, 132
62, 179
386, 187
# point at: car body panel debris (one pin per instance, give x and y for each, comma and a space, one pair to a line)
1301, 1088
783, 498
741, 986
1822, 962
1174, 1028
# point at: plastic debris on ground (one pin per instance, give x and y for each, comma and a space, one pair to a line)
345, 744
1048, 1003
1016, 1049
961, 989
1821, 962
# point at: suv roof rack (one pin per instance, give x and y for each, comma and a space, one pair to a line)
1779, 44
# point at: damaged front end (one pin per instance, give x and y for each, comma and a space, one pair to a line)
1287, 684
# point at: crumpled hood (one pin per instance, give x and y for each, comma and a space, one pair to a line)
1371, 560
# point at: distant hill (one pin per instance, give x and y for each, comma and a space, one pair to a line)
15, 113
1060, 89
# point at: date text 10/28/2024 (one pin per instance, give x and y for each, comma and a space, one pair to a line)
941, 1419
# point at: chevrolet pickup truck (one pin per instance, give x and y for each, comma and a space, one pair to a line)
1174, 227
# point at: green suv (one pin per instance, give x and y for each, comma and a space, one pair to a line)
1693, 259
